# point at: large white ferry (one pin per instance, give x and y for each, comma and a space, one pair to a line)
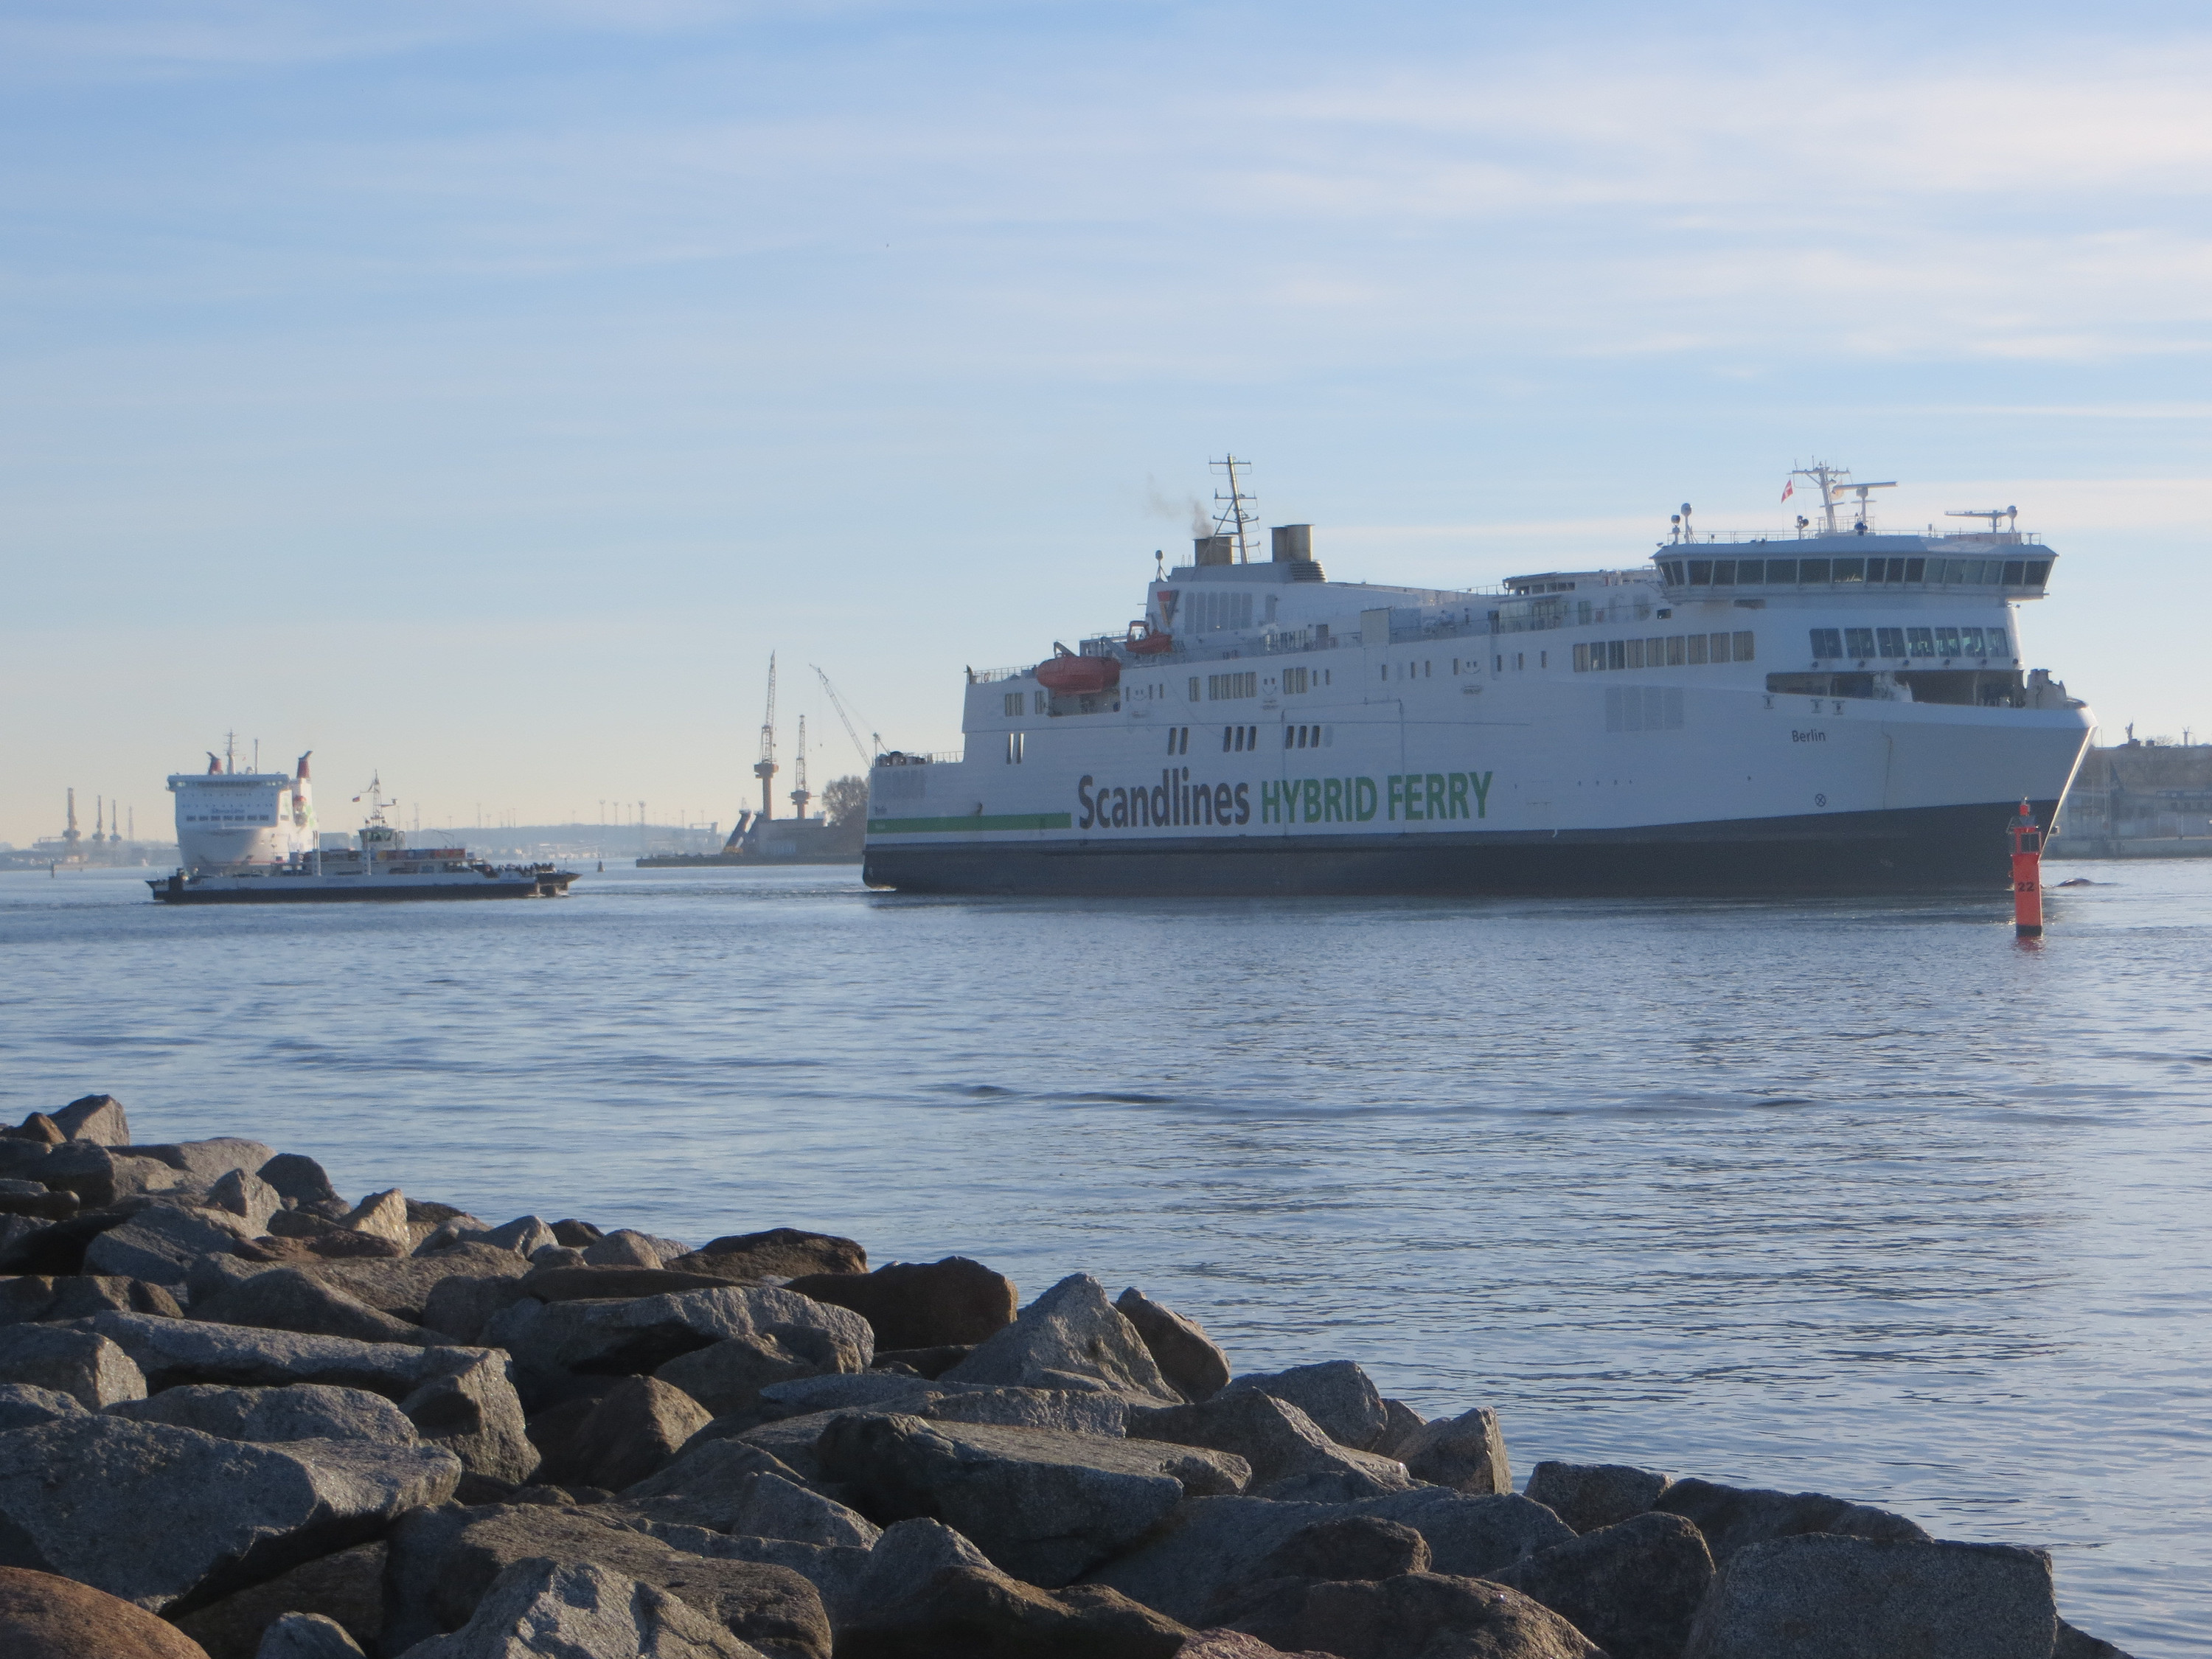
1831, 709
251, 838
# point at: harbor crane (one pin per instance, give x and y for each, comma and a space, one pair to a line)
764, 768
798, 796
867, 756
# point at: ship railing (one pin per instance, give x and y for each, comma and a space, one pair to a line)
914, 757
991, 676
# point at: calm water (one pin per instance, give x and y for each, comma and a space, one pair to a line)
1859, 1197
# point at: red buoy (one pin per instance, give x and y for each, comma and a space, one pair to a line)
2026, 876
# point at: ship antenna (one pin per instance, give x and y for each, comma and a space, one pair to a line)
1233, 516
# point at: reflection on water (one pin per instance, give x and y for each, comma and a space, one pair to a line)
1859, 1196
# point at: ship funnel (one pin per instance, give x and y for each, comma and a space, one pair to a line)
1294, 543
1214, 549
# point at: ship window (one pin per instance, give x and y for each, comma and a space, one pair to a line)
2039, 572
1543, 660
1947, 642
1915, 570
1041, 699
1193, 687
1519, 660
2012, 572
1812, 570
1701, 573
1850, 570
1013, 704
1677, 651
1294, 679
1227, 732
1827, 642
1724, 574
1971, 638
1858, 642
1999, 646
1582, 660
1743, 646
1782, 570
1497, 664
1655, 653
1697, 644
1892, 641
1616, 654
1221, 687
1924, 641
1749, 571
1636, 653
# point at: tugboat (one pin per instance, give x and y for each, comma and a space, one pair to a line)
1829, 708
249, 838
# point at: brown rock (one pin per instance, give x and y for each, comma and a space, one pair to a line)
337, 1245
915, 1304
1633, 1587
1186, 1355
1236, 1644
39, 1127
577, 1234
41, 1206
96, 1118
385, 1214
1351, 1546
348, 1587
44, 1617
779, 1253
1420, 1615
973, 1613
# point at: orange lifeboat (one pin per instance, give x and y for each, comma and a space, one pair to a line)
1073, 676
1146, 641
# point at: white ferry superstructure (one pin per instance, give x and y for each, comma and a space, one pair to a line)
251, 838
1837, 710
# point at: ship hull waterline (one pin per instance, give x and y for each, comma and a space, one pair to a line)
1952, 849
169, 893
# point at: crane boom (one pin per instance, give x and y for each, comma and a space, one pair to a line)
764, 768
867, 756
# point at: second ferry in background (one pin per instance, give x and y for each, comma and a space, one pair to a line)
251, 838
1837, 710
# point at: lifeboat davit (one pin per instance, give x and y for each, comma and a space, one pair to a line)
1073, 676
1146, 641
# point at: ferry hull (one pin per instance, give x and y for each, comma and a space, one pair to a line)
1955, 848
281, 890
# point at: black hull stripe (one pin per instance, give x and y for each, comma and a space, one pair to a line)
1928, 849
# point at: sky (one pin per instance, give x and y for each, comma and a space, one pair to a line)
475, 393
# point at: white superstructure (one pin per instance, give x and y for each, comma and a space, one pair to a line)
1832, 708
226, 817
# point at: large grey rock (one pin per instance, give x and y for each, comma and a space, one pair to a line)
554, 1343
95, 1118
403, 1286
88, 1368
974, 1613
1826, 1597
729, 1376
2074, 1644
887, 1391
459, 1307
756, 1503
1212, 1545
444, 1563
203, 1163
1190, 1359
1403, 1423
1350, 1547
79, 1296
1732, 1518
834, 1569
1044, 1506
1632, 1588
1466, 1453
630, 1434
384, 1215
522, 1236
779, 1253
170, 1517
1336, 1394
307, 1635
1417, 1615
1587, 1496
170, 1351
543, 1609
705, 1487
622, 1247
310, 1411
470, 1408
289, 1299
1291, 1459
1068, 1410
245, 1195
162, 1243
1071, 1337
23, 1404
347, 1587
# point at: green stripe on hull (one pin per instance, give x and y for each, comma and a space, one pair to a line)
972, 821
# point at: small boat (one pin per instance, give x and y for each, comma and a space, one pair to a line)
1071, 676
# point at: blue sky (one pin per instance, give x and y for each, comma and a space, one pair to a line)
479, 392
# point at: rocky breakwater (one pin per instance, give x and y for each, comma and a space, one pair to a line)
242, 1416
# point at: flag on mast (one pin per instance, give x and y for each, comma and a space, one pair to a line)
1788, 488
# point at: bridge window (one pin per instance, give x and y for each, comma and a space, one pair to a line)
1892, 641
1858, 642
1827, 642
